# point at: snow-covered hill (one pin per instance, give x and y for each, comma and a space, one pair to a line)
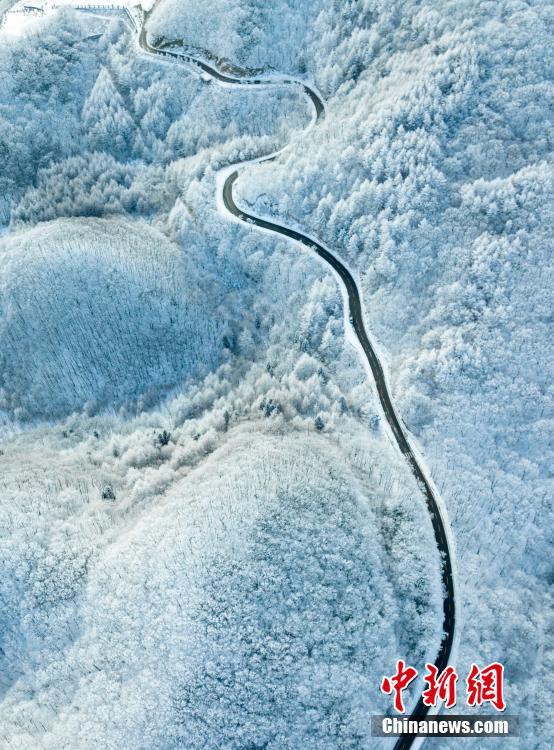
209, 539
253, 603
95, 313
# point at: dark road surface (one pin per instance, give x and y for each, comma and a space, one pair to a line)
356, 317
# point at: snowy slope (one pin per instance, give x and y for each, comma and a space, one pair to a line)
95, 313
432, 175
253, 33
149, 575
252, 604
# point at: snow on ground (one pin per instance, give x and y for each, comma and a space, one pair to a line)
153, 556
253, 34
432, 175
208, 538
134, 315
253, 603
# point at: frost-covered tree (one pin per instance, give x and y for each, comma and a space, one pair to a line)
107, 124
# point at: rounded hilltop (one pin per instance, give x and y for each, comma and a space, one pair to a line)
96, 312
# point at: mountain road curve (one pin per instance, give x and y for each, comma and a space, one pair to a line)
356, 317
357, 321
358, 325
440, 527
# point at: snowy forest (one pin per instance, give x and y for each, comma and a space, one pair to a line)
209, 537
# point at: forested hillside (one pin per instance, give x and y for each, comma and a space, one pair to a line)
135, 313
432, 176
250, 605
196, 488
210, 538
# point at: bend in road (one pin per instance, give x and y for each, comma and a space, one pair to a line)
357, 322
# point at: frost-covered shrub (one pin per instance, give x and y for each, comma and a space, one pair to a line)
105, 120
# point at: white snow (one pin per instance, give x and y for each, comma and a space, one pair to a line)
97, 313
221, 543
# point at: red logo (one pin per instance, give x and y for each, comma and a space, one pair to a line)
398, 682
486, 686
440, 687
483, 685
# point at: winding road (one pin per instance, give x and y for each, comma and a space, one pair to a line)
358, 325
356, 317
